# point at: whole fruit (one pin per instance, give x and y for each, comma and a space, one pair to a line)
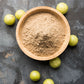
19, 14
55, 63
73, 40
35, 75
62, 7
9, 19
48, 81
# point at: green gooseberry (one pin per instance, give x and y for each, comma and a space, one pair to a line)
62, 7
35, 75
48, 81
9, 19
19, 14
73, 40
55, 63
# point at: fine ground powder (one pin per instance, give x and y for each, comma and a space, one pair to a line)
43, 34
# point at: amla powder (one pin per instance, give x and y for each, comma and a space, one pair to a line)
43, 34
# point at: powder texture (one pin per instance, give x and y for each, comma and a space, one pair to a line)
43, 34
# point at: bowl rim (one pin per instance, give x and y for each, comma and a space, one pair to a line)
62, 48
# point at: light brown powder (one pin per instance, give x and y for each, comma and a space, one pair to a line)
43, 34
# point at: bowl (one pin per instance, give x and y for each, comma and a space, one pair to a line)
63, 22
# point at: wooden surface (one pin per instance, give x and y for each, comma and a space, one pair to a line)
15, 66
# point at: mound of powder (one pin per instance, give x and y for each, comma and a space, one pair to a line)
43, 34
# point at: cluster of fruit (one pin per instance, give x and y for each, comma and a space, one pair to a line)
54, 63
35, 75
9, 19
